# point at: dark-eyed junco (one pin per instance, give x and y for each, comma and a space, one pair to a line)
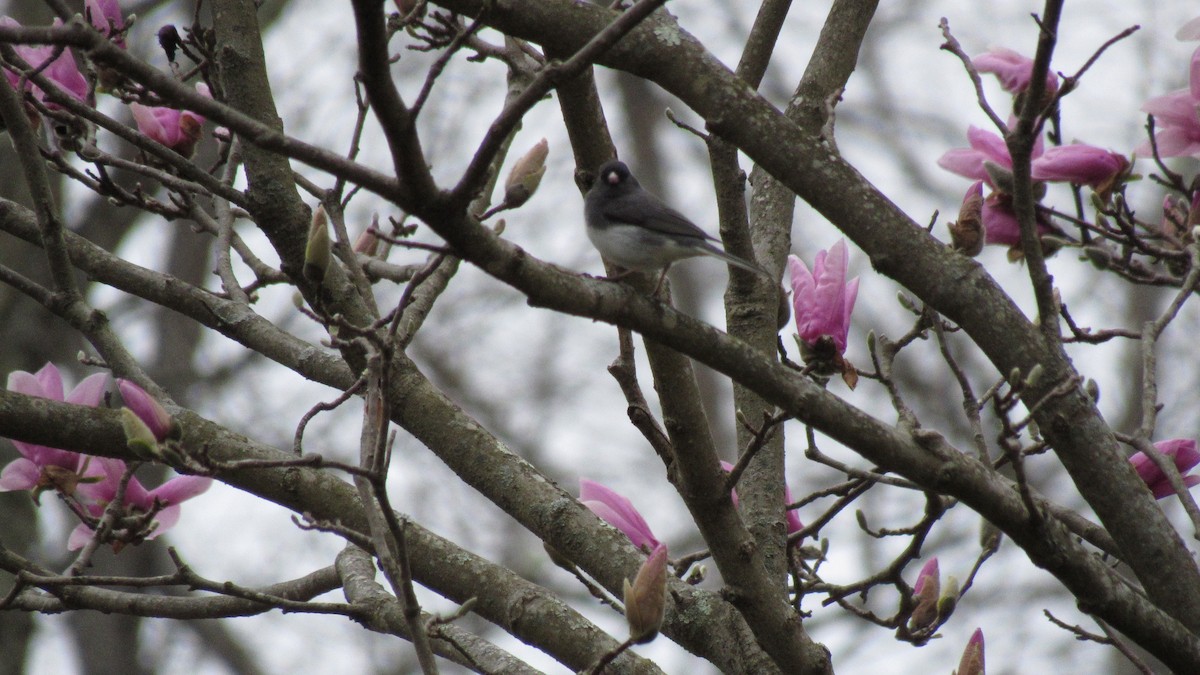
635, 230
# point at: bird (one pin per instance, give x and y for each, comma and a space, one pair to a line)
633, 229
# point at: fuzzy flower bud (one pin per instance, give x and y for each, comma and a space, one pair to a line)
972, 657
138, 437
317, 250
967, 233
646, 597
148, 410
926, 592
526, 175
949, 599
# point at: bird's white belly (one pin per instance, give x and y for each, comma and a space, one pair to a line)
637, 248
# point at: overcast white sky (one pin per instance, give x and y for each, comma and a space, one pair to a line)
487, 334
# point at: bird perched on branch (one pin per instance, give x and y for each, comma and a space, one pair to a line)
635, 230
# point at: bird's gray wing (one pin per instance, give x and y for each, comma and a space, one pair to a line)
647, 211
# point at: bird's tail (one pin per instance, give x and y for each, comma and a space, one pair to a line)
738, 262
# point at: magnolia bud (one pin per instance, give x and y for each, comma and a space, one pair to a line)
989, 536
925, 593
138, 437
161, 424
646, 597
316, 252
967, 233
949, 599
1034, 375
972, 657
367, 243
526, 175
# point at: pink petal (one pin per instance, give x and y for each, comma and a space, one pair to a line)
181, 489
51, 382
1194, 75
1000, 223
148, 123
165, 520
617, 511
990, 144
145, 407
109, 471
90, 391
20, 474
794, 524
928, 574
1078, 163
80, 536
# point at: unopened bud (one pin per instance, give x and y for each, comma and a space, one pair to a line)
150, 411
316, 252
949, 599
1034, 376
989, 536
526, 175
925, 593
646, 597
967, 234
138, 437
971, 662
367, 243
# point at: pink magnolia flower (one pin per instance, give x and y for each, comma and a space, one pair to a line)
138, 501
790, 516
105, 15
63, 70
146, 408
1076, 163
1014, 70
1180, 450
617, 511
972, 657
40, 467
179, 130
1176, 118
1080, 164
822, 299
